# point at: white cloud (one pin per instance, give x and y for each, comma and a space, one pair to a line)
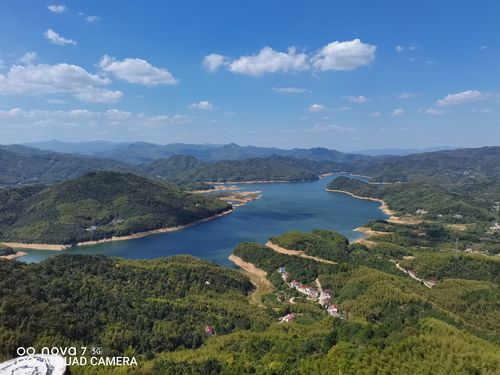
84, 119
214, 61
136, 71
327, 128
55, 38
344, 55
28, 58
316, 108
398, 112
342, 109
337, 55
411, 47
467, 96
56, 8
290, 90
484, 110
435, 111
482, 48
375, 114
92, 18
408, 95
357, 99
203, 105
269, 61
54, 79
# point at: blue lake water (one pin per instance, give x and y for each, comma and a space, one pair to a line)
284, 206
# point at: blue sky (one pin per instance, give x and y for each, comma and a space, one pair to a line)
344, 75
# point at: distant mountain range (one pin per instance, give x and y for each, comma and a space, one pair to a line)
143, 152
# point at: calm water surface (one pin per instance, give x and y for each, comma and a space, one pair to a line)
284, 206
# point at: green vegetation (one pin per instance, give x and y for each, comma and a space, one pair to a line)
321, 243
96, 206
408, 198
139, 307
454, 265
24, 165
185, 169
157, 310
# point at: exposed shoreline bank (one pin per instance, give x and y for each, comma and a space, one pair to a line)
58, 247
384, 207
13, 256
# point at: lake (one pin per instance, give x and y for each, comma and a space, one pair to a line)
284, 206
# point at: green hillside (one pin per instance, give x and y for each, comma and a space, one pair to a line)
186, 169
96, 206
157, 311
24, 165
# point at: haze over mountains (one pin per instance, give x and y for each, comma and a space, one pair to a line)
187, 163
143, 152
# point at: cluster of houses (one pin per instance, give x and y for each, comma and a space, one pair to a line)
322, 296
421, 211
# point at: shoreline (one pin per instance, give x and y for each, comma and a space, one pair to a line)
58, 247
298, 253
257, 276
259, 182
14, 256
384, 207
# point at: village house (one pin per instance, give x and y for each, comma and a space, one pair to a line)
333, 310
421, 211
287, 318
495, 227
209, 330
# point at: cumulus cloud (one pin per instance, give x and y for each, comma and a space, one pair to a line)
463, 97
92, 19
344, 55
348, 55
213, 62
54, 8
269, 61
55, 38
28, 58
290, 90
398, 112
203, 105
435, 111
136, 71
357, 99
54, 79
316, 108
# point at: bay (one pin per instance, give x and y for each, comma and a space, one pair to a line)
283, 207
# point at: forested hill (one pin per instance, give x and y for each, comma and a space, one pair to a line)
22, 165
143, 152
446, 166
96, 206
275, 168
407, 198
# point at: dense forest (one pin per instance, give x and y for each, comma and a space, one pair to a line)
424, 199
185, 169
96, 206
157, 310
